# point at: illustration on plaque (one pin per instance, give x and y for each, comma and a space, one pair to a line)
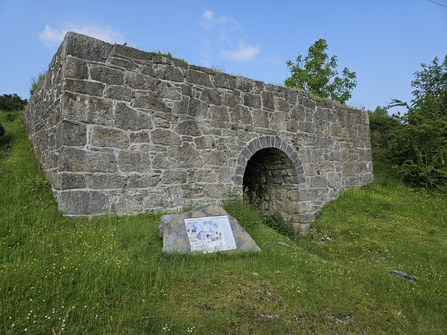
210, 234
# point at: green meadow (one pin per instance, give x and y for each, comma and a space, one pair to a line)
108, 275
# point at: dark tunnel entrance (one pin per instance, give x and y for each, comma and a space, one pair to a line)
271, 183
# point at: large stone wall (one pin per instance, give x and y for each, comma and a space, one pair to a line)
119, 130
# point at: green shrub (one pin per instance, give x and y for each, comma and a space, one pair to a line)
282, 226
12, 102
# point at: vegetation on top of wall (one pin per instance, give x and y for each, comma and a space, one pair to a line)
317, 73
168, 56
35, 81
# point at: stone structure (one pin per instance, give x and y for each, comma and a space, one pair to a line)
119, 130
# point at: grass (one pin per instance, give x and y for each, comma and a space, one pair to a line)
109, 276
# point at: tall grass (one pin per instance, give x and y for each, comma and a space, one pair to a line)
109, 276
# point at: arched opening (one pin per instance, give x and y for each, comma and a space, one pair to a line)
271, 182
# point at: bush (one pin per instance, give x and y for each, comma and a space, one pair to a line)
420, 151
282, 226
382, 129
12, 102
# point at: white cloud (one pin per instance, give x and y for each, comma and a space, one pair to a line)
53, 36
209, 20
222, 32
244, 52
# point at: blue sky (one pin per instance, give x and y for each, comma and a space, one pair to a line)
383, 41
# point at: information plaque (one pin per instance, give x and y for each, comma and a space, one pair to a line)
210, 234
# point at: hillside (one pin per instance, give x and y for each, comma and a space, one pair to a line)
109, 276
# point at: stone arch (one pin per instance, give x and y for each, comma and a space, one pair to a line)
270, 171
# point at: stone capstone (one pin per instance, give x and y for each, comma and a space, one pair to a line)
175, 239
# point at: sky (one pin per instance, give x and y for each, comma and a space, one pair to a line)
383, 41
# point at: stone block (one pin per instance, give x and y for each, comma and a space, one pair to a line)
75, 68
140, 82
209, 96
85, 47
224, 80
82, 202
244, 84
204, 142
241, 115
173, 177
169, 72
189, 127
267, 100
197, 109
127, 118
261, 118
198, 78
134, 161
231, 100
67, 181
105, 181
185, 156
139, 137
252, 100
107, 75
109, 137
72, 159
71, 134
165, 137
124, 63
119, 93
86, 109
150, 102
175, 238
165, 90
84, 87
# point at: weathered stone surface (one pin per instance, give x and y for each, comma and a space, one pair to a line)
175, 239
84, 87
168, 72
79, 160
165, 137
144, 101
71, 134
107, 75
86, 109
119, 93
134, 161
151, 134
85, 47
109, 137
224, 80
198, 78
76, 68
82, 201
130, 119
188, 128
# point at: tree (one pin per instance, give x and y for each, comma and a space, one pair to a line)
11, 102
421, 151
317, 74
